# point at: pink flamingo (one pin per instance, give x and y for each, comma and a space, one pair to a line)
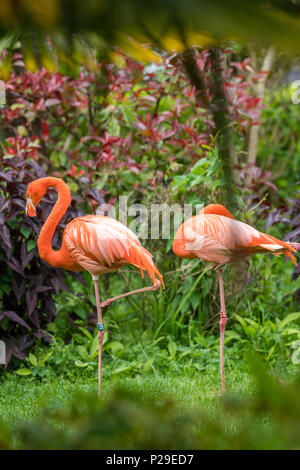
214, 235
95, 243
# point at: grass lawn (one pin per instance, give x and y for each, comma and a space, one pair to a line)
22, 397
26, 400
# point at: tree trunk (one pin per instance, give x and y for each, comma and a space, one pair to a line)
219, 107
259, 90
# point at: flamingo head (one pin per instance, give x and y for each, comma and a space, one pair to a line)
34, 194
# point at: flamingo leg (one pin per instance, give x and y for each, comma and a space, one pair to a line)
223, 319
101, 331
107, 302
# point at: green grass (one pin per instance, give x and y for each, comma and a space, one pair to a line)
148, 411
22, 398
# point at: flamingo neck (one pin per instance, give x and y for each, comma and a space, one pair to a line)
55, 258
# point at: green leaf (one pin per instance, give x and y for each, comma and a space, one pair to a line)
115, 346
105, 338
100, 183
86, 333
252, 322
183, 354
73, 186
24, 372
33, 359
189, 293
94, 345
149, 364
290, 331
169, 244
288, 319
81, 364
22, 131
172, 347
80, 311
128, 114
231, 335
25, 231
120, 370
82, 352
198, 168
243, 323
46, 357
194, 299
59, 158
30, 245
15, 106
166, 104
94, 355
270, 353
113, 127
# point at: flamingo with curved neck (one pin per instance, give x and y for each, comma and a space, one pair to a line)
95, 243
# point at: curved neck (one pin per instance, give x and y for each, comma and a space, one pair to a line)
46, 234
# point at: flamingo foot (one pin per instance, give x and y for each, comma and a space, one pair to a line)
156, 285
217, 266
106, 303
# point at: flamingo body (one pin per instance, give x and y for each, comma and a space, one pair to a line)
100, 244
214, 235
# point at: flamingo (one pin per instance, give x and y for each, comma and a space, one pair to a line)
214, 235
95, 243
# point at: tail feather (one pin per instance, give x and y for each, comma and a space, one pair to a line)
278, 247
142, 259
296, 247
292, 257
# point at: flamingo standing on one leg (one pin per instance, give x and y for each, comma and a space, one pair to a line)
95, 243
214, 235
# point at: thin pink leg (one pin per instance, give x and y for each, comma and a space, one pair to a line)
223, 320
101, 331
107, 302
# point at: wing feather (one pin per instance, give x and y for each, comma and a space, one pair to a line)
101, 244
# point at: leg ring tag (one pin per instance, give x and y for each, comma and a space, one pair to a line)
100, 326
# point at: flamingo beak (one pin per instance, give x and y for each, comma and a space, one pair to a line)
30, 208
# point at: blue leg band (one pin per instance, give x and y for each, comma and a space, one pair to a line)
100, 326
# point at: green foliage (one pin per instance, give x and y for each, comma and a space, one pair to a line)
205, 173
279, 150
38, 366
